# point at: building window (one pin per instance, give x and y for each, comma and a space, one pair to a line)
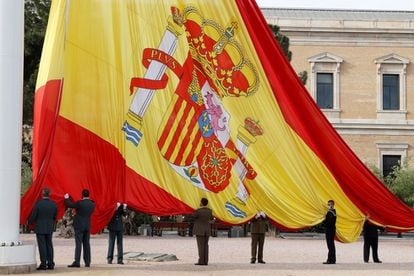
391, 91
391, 83
324, 83
324, 90
390, 155
389, 162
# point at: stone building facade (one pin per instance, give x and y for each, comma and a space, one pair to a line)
361, 74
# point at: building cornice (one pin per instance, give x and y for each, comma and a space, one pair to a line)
341, 37
339, 14
344, 27
373, 127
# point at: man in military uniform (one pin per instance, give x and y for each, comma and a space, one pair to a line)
116, 231
330, 222
203, 216
258, 231
44, 216
82, 225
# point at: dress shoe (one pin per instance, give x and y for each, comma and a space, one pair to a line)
252, 262
378, 261
41, 267
109, 261
328, 262
120, 262
261, 262
50, 267
87, 265
74, 265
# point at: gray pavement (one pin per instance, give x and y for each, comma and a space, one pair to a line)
295, 254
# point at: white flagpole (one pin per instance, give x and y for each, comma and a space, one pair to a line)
14, 256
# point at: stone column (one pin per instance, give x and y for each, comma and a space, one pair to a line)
15, 257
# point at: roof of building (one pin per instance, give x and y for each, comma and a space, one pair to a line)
338, 14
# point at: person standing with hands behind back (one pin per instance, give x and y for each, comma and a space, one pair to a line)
258, 230
330, 222
116, 231
203, 216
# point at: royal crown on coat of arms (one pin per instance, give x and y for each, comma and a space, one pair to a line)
253, 127
220, 55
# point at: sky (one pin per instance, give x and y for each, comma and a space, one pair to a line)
401, 5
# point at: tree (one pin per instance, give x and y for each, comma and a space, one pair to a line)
283, 41
401, 183
26, 169
284, 44
36, 13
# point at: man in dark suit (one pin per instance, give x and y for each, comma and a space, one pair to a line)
44, 216
116, 230
82, 225
258, 230
371, 240
203, 216
330, 223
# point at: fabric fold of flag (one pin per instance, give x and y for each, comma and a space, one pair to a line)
160, 103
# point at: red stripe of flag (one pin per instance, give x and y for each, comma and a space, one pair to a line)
169, 124
193, 152
186, 140
178, 130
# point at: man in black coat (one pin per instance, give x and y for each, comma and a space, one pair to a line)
330, 223
116, 230
203, 216
258, 231
44, 216
82, 225
371, 240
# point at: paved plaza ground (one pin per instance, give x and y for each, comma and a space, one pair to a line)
292, 255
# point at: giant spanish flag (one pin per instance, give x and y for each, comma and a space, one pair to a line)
160, 103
